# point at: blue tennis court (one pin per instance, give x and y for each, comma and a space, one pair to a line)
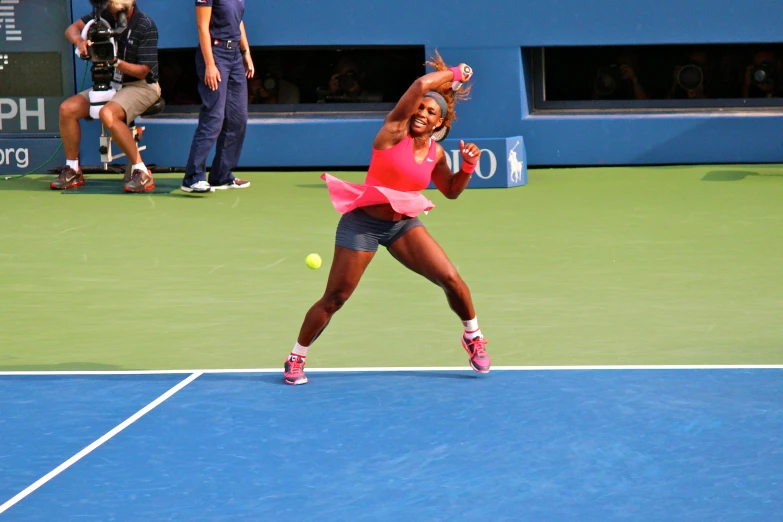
430, 444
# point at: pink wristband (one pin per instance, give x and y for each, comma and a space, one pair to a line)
468, 168
457, 74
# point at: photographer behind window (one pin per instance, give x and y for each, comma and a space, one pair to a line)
619, 80
271, 87
124, 56
760, 76
346, 85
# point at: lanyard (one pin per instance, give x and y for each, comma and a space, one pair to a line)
127, 41
117, 79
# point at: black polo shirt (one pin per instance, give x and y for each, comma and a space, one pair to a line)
226, 18
138, 44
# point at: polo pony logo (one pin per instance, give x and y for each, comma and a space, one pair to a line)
514, 165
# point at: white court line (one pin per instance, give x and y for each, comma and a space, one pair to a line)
68, 463
408, 369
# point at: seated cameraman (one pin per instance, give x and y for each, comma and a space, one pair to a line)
136, 63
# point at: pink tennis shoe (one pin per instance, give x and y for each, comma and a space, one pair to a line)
479, 358
294, 370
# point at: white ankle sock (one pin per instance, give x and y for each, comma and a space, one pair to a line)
138, 166
472, 329
300, 350
74, 164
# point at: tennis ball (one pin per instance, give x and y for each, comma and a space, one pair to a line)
313, 261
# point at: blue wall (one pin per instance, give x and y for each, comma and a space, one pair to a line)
489, 36
487, 25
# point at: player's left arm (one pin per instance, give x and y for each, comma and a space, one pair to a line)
449, 184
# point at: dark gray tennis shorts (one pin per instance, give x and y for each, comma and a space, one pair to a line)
358, 230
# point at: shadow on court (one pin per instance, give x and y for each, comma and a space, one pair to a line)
93, 186
104, 185
434, 375
315, 376
735, 175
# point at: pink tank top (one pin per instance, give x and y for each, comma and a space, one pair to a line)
396, 168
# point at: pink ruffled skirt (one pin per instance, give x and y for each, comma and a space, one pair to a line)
347, 196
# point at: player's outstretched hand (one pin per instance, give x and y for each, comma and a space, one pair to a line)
470, 152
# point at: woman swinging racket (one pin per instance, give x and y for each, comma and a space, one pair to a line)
383, 210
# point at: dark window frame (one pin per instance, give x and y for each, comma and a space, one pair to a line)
349, 110
543, 106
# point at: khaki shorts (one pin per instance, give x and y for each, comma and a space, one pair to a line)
134, 98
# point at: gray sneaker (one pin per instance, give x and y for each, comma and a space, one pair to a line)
141, 181
67, 179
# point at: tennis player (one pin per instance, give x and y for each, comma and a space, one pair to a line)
383, 210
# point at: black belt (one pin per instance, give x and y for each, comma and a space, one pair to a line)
225, 44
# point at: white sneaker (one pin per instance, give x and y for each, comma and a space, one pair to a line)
199, 186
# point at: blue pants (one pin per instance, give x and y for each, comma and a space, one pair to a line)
222, 119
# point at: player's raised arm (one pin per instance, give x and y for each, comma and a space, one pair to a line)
395, 125
412, 97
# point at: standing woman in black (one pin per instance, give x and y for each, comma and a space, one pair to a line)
223, 64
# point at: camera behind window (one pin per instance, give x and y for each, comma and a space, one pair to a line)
607, 79
348, 81
690, 77
270, 83
763, 73
263, 89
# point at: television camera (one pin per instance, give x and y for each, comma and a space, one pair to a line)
102, 53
